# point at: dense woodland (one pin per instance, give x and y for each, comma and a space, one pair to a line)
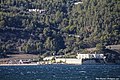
63, 27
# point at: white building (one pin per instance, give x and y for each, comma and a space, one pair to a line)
78, 60
90, 56
68, 60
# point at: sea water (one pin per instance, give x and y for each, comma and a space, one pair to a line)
60, 72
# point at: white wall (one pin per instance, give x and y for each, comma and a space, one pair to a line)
88, 56
69, 60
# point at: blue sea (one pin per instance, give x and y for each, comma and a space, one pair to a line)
60, 72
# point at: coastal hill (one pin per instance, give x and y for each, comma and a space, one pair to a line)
57, 26
111, 54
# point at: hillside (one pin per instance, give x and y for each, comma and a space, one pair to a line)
57, 26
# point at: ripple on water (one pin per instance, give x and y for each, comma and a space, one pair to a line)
21, 73
59, 72
28, 72
82, 71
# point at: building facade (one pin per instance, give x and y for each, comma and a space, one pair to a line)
90, 56
68, 60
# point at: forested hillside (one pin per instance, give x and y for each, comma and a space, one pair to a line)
57, 25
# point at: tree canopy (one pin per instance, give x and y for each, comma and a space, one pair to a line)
63, 25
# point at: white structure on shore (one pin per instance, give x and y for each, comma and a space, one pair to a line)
78, 60
68, 60
90, 56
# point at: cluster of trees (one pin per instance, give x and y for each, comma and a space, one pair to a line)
93, 21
